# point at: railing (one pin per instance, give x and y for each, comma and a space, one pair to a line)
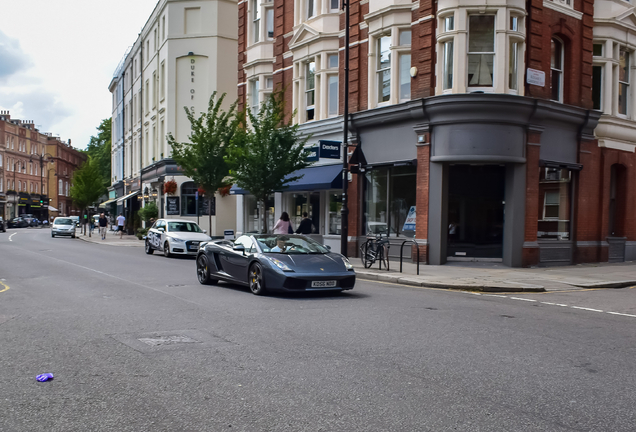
402, 254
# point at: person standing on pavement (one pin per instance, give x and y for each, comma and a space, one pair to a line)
103, 224
283, 225
121, 221
306, 225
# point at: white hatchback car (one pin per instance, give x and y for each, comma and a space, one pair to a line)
63, 226
175, 236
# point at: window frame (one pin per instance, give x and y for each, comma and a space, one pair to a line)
560, 71
476, 88
379, 71
308, 90
623, 84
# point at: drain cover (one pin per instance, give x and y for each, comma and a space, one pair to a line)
167, 340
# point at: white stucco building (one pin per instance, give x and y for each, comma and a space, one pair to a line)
186, 50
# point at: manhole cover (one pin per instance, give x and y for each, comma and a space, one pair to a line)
167, 340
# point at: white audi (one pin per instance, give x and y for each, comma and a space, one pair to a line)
175, 236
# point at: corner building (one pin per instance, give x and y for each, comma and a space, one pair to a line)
505, 129
182, 56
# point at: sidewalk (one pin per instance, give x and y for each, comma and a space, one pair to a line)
495, 277
112, 239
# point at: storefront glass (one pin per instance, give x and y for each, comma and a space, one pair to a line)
390, 193
335, 217
554, 210
254, 222
304, 202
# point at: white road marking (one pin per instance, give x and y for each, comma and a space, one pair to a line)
523, 299
11, 236
622, 314
587, 309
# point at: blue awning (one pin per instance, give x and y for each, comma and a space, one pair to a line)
313, 178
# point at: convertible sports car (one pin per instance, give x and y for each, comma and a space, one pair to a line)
274, 262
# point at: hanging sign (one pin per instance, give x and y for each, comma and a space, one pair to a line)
329, 149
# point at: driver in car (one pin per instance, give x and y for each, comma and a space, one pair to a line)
280, 244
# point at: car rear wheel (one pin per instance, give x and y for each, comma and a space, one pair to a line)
73, 235
52, 235
148, 248
166, 250
257, 282
203, 271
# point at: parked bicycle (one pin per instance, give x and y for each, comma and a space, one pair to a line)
375, 249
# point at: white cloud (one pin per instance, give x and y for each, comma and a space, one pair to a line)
55, 68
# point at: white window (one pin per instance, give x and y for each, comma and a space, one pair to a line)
405, 77
449, 23
269, 83
310, 8
556, 70
551, 205
162, 83
254, 90
623, 81
333, 95
447, 65
481, 50
513, 67
60, 187
269, 22
334, 5
310, 90
0, 161
383, 55
1, 185
256, 16
332, 61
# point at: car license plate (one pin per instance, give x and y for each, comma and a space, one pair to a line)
323, 284
194, 246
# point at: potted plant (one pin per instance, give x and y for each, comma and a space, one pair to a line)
170, 187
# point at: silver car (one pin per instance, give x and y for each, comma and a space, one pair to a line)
175, 236
63, 226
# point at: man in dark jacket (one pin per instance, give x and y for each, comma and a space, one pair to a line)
306, 226
103, 223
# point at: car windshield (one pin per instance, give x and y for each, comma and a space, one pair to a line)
290, 244
63, 221
190, 227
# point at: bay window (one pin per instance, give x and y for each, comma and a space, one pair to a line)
310, 90
623, 81
447, 65
383, 55
481, 50
256, 23
254, 90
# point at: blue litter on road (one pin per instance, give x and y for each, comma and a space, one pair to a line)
44, 377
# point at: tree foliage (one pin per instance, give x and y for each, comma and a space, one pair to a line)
149, 212
99, 149
264, 154
87, 184
203, 158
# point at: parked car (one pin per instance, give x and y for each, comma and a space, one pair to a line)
274, 262
175, 236
18, 222
3, 226
63, 226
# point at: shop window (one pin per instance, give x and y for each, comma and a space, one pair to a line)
554, 213
556, 70
188, 199
481, 50
623, 82
253, 211
390, 194
335, 215
310, 90
383, 55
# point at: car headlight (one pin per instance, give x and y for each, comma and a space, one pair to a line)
278, 263
177, 240
347, 263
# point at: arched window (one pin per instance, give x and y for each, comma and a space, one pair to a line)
188, 199
556, 70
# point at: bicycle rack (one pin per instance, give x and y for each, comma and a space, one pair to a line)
402, 254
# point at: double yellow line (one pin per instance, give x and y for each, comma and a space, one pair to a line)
3, 287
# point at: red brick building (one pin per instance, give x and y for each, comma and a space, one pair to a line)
508, 129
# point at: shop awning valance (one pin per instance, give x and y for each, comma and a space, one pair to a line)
130, 195
105, 203
314, 178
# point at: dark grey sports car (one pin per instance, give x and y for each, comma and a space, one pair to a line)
274, 262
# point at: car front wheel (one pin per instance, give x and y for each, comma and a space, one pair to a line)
166, 250
52, 235
149, 249
257, 281
203, 271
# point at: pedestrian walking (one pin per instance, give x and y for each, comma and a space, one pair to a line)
283, 225
121, 221
306, 225
103, 224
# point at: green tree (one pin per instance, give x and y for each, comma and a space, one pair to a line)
203, 158
99, 149
87, 186
264, 154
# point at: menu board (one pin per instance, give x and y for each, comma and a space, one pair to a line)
172, 205
205, 208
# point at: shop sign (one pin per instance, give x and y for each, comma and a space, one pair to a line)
329, 149
535, 77
313, 154
409, 223
172, 205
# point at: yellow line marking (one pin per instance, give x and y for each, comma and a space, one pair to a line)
6, 287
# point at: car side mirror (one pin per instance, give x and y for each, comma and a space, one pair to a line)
239, 248
328, 247
205, 231
162, 229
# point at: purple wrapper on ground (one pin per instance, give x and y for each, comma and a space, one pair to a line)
44, 377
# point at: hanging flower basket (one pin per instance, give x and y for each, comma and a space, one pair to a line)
201, 191
170, 187
225, 190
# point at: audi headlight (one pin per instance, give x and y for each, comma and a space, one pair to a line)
347, 263
278, 263
177, 240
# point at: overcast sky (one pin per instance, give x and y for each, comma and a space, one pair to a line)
57, 58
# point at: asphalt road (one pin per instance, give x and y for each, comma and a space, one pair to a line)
136, 344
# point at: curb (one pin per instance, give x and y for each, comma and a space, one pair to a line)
402, 280
606, 284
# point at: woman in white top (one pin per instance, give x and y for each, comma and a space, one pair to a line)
282, 225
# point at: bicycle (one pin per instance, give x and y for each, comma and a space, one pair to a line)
375, 249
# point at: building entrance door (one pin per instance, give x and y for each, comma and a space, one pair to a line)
476, 211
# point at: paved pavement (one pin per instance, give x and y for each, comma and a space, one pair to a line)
476, 276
